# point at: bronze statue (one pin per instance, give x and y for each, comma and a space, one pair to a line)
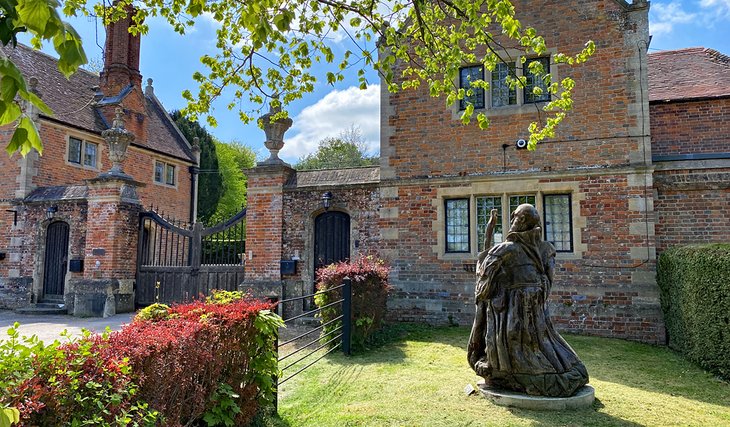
513, 344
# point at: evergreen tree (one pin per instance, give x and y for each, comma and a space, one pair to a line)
210, 180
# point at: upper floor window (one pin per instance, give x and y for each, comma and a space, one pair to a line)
535, 81
467, 75
457, 225
164, 173
502, 93
515, 201
82, 152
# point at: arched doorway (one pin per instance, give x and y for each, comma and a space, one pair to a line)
55, 262
331, 238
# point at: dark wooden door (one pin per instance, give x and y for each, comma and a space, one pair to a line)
55, 262
331, 238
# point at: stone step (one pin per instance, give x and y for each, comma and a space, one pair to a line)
43, 308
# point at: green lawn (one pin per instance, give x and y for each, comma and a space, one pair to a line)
418, 380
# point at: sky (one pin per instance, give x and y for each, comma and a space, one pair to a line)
171, 59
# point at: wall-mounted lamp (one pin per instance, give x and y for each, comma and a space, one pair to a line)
326, 200
51, 212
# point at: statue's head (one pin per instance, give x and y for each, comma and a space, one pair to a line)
524, 218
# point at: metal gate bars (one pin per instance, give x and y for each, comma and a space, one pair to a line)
338, 337
178, 262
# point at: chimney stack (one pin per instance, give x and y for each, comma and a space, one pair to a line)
121, 57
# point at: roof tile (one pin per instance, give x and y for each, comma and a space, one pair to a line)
688, 73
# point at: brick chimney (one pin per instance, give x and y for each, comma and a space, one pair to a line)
120, 81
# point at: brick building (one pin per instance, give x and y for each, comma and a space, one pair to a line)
640, 164
68, 227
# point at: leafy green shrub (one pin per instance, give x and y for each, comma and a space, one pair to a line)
370, 289
694, 282
69, 384
154, 312
226, 297
174, 369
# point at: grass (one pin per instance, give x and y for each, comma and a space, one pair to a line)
419, 379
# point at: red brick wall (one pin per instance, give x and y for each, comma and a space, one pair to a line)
692, 207
303, 205
690, 127
53, 169
602, 130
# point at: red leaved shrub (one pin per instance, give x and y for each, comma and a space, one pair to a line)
370, 290
180, 361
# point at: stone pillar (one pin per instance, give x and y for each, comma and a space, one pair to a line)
265, 209
264, 227
110, 258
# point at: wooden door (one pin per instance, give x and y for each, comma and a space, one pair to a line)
55, 262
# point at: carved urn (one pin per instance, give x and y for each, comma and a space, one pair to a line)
118, 139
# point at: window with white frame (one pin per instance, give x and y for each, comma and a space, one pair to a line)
82, 153
467, 75
557, 220
457, 225
164, 173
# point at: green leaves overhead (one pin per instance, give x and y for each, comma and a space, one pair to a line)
40, 18
271, 47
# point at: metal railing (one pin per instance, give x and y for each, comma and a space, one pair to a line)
337, 338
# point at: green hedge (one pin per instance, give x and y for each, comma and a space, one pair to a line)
695, 293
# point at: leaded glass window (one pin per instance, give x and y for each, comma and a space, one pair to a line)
90, 154
533, 81
74, 150
457, 225
558, 227
466, 76
159, 171
170, 175
515, 201
502, 93
485, 204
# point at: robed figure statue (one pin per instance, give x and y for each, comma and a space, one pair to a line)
513, 344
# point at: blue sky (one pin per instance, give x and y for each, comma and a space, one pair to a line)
170, 60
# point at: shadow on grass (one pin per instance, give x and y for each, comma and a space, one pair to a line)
647, 367
589, 416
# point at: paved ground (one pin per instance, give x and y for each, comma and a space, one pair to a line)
49, 327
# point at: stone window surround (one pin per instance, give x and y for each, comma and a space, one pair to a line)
165, 163
506, 188
520, 107
99, 152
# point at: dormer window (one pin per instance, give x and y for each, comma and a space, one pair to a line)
164, 173
83, 153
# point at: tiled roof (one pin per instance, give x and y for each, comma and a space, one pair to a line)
352, 176
62, 192
688, 73
72, 102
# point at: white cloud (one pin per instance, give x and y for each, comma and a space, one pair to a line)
336, 112
716, 8
666, 15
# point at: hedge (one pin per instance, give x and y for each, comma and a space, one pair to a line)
694, 283
205, 362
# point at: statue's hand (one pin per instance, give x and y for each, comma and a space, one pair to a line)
493, 215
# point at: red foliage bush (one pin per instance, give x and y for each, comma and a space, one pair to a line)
179, 362
370, 290
171, 365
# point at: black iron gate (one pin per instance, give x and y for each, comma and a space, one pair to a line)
55, 261
309, 346
178, 262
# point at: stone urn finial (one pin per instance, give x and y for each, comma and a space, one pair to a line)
118, 139
275, 131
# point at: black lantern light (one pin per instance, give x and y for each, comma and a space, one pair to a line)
326, 199
51, 212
